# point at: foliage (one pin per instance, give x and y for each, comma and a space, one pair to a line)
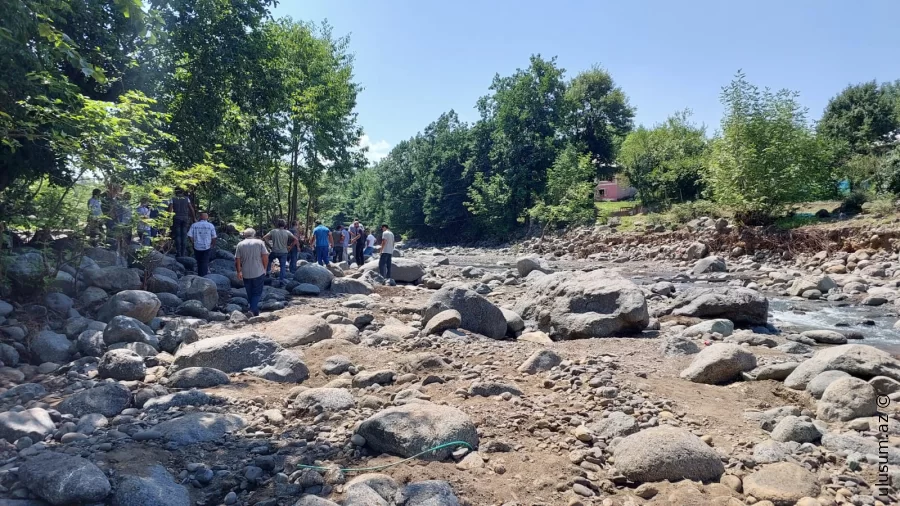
569, 197
795, 221
887, 173
685, 212
665, 163
882, 206
858, 117
854, 201
767, 155
599, 115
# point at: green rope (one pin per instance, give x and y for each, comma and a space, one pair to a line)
378, 468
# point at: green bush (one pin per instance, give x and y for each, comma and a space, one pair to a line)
789, 222
882, 206
683, 213
854, 202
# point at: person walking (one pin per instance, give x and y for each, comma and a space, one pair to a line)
337, 244
358, 242
95, 216
387, 251
294, 253
282, 241
203, 238
250, 261
322, 241
370, 244
181, 221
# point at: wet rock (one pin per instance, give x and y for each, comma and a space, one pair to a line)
152, 486
137, 304
198, 377
719, 363
108, 399
413, 428
783, 483
593, 304
478, 314
665, 453
540, 360
62, 479
846, 399
122, 364
34, 423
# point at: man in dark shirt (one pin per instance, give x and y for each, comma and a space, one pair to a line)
181, 221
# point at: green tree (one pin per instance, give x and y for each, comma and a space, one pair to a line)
665, 163
599, 114
767, 155
859, 116
570, 197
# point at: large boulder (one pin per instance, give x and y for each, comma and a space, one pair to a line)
198, 377
150, 486
817, 386
229, 353
858, 360
113, 279
825, 336
200, 289
125, 329
350, 286
719, 363
802, 285
413, 428
666, 453
742, 306
159, 283
138, 304
62, 479
324, 399
59, 303
122, 364
286, 366
26, 272
298, 330
783, 483
847, 399
34, 423
709, 264
526, 264
108, 399
48, 346
582, 305
405, 270
478, 314
696, 251
314, 274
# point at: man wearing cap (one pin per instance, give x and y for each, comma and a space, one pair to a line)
250, 260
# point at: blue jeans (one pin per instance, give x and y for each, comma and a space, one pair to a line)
293, 255
384, 265
322, 255
282, 263
254, 287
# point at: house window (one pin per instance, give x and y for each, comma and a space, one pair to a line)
602, 192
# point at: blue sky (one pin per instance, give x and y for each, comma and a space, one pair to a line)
417, 59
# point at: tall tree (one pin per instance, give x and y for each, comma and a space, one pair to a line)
600, 115
859, 116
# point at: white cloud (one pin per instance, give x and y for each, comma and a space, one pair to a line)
377, 150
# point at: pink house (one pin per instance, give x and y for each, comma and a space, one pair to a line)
614, 188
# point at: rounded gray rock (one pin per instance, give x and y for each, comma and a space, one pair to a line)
122, 364
198, 377
666, 453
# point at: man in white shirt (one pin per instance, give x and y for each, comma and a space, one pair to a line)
203, 238
387, 250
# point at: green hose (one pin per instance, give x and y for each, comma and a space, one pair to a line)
378, 468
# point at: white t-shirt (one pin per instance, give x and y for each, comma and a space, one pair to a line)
370, 241
202, 233
387, 242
